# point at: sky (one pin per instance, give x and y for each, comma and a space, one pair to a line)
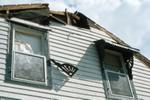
128, 19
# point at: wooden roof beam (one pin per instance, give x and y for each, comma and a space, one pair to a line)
23, 7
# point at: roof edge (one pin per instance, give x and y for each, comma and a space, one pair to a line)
7, 8
23, 6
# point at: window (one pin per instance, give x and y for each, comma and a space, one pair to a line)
117, 81
28, 56
116, 63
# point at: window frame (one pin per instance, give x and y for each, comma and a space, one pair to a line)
107, 85
30, 31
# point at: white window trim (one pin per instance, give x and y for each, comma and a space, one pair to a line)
29, 23
37, 55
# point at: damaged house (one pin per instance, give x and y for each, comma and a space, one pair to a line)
53, 55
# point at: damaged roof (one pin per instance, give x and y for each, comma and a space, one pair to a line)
40, 13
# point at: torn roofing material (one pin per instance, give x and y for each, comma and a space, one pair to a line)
41, 14
37, 13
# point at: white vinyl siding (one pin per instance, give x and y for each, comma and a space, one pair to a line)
72, 45
141, 78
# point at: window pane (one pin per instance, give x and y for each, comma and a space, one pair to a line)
29, 67
113, 62
119, 84
28, 43
111, 59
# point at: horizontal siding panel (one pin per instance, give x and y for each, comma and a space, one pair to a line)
66, 48
138, 70
3, 41
145, 87
2, 56
4, 28
141, 75
141, 97
2, 71
19, 96
3, 61
87, 69
72, 53
141, 67
79, 80
4, 24
83, 92
136, 77
84, 75
74, 62
2, 66
84, 59
2, 19
45, 93
142, 83
3, 51
44, 90
86, 33
141, 92
3, 46
80, 36
28, 97
2, 32
69, 36
2, 77
84, 66
71, 42
145, 91
140, 64
67, 44
3, 37
78, 85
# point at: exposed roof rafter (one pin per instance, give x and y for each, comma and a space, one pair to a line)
76, 19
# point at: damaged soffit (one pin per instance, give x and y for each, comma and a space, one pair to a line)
41, 14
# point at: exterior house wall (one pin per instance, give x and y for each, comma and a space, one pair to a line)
141, 78
68, 44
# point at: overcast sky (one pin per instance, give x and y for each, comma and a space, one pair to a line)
128, 19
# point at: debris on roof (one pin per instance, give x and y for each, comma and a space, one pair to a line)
41, 14
38, 13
